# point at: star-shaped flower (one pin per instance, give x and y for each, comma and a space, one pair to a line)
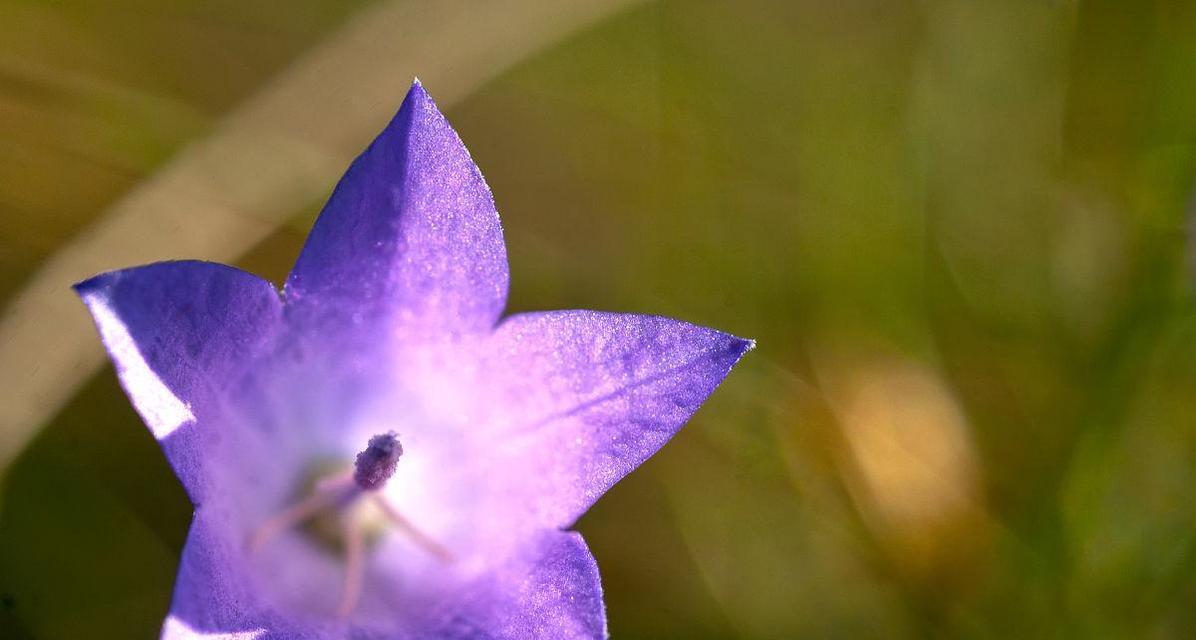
376, 452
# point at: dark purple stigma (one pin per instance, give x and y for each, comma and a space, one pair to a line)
378, 462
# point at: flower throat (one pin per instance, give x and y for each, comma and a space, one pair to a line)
339, 509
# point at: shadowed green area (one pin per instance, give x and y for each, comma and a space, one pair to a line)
958, 231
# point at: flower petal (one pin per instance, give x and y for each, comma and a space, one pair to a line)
410, 238
180, 333
584, 397
551, 591
215, 597
175, 629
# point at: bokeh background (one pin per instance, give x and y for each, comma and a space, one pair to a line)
959, 231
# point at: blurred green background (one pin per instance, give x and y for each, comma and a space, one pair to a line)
958, 230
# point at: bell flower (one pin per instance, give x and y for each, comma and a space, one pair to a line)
375, 451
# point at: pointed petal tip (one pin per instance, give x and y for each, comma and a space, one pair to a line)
93, 285
417, 93
417, 101
738, 347
83, 287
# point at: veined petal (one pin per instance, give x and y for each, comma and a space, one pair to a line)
584, 397
550, 591
410, 240
179, 334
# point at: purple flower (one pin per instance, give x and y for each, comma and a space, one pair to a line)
376, 453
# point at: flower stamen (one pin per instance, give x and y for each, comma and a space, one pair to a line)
354, 566
340, 493
292, 516
378, 462
417, 536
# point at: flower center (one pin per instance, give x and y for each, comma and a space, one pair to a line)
339, 501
